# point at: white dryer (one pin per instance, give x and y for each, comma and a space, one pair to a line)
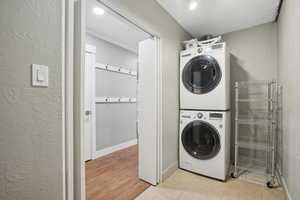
204, 143
205, 78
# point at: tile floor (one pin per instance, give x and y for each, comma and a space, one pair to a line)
183, 185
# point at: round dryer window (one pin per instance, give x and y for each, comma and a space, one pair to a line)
201, 140
201, 74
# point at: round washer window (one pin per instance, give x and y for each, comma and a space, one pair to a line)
201, 140
201, 74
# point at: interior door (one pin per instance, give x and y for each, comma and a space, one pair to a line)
90, 59
148, 108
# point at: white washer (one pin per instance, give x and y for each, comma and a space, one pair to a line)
204, 143
205, 78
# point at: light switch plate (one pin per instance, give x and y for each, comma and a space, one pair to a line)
39, 75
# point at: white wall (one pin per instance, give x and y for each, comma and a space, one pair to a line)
253, 53
289, 77
112, 54
115, 123
30, 118
152, 17
253, 56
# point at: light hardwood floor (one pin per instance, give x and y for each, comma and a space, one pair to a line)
115, 176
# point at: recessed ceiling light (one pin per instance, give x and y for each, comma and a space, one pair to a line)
193, 5
98, 11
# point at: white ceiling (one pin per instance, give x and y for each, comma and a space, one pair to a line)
220, 16
112, 28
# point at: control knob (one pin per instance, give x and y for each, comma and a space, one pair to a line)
199, 115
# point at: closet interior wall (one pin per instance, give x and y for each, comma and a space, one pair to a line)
115, 122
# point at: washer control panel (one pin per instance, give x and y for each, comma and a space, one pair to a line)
202, 115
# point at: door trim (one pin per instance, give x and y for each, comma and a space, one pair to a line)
67, 94
79, 7
159, 110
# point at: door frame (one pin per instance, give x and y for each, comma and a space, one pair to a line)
74, 14
68, 96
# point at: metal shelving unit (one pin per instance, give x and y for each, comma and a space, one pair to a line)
256, 144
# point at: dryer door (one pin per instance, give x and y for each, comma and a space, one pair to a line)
201, 140
201, 74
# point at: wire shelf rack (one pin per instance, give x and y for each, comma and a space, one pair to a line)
256, 108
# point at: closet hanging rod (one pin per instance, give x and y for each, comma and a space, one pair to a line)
120, 70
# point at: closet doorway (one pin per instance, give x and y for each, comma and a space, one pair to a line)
121, 117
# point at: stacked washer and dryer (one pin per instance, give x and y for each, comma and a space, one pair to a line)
204, 138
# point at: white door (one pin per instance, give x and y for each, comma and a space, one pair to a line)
89, 101
148, 109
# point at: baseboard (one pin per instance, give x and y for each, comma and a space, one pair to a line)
285, 188
112, 149
169, 170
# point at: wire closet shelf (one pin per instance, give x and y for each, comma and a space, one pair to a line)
256, 129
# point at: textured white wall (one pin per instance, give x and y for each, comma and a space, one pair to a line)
151, 16
289, 77
30, 118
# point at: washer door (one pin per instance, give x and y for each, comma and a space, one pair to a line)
201, 140
201, 74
